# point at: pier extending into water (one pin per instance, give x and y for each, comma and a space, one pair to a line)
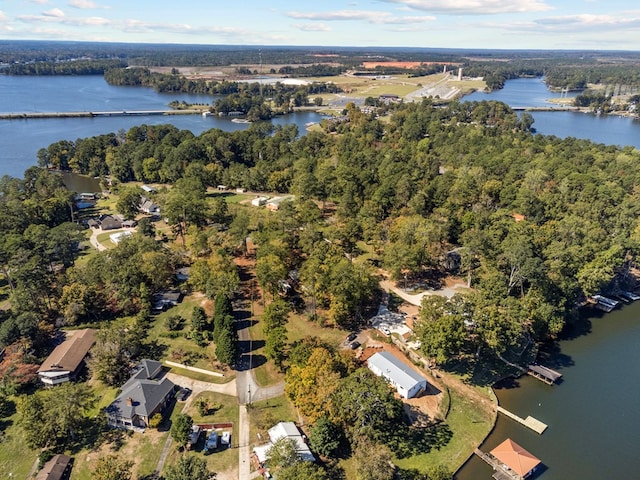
529, 422
114, 113
500, 473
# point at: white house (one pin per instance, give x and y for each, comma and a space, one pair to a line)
405, 379
259, 201
284, 430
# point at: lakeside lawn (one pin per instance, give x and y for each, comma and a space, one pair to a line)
469, 422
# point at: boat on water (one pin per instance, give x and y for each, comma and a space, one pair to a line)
604, 303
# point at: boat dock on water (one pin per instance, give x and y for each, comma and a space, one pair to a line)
529, 422
605, 304
544, 374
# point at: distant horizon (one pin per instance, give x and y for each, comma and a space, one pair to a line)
304, 47
486, 24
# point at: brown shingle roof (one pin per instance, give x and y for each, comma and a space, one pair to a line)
69, 354
55, 469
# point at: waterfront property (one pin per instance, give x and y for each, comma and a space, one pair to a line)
516, 458
510, 461
144, 395
529, 422
407, 382
68, 358
544, 374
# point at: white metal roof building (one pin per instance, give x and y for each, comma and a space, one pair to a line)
284, 430
405, 379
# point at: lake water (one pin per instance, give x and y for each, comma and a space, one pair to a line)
21, 139
532, 92
593, 414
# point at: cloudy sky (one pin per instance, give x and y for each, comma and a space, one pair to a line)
519, 24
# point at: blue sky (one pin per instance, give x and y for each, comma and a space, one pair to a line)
508, 24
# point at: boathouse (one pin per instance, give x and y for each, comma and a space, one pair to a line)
517, 459
543, 373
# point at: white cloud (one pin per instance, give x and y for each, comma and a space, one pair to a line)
40, 2
83, 4
54, 12
3, 16
359, 15
313, 27
474, 7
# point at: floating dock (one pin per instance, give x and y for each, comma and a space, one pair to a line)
529, 422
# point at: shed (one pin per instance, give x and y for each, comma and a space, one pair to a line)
516, 458
405, 379
57, 468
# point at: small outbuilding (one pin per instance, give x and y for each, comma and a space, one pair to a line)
516, 458
407, 382
57, 468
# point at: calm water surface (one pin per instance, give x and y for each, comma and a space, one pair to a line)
593, 415
21, 139
532, 92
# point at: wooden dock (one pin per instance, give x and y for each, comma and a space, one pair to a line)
499, 472
529, 422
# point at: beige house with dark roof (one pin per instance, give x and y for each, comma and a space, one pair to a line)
67, 359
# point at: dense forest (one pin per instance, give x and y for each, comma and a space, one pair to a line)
535, 224
428, 186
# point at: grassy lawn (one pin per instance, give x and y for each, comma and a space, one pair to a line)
221, 459
143, 448
230, 197
105, 241
299, 327
264, 415
469, 424
16, 459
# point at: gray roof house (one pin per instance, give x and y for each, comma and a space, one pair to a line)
148, 206
407, 382
141, 397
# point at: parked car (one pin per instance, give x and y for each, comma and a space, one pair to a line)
351, 337
354, 345
385, 330
183, 394
212, 442
194, 435
225, 439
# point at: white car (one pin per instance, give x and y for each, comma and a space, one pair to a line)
225, 439
194, 435
385, 330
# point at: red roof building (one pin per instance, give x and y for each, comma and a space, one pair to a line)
521, 462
